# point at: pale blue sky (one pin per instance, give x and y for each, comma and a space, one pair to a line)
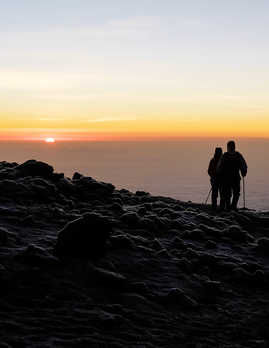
221, 32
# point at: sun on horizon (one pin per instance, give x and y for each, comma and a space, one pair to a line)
50, 140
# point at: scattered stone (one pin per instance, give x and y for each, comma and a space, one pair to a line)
141, 193
211, 244
37, 256
89, 188
3, 236
107, 278
66, 187
141, 288
177, 296
197, 234
179, 243
241, 275
162, 253
148, 206
263, 244
131, 219
236, 234
157, 245
148, 224
142, 211
116, 207
122, 242
77, 176
85, 237
259, 277
57, 176
212, 287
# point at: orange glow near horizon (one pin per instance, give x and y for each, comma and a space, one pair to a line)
140, 129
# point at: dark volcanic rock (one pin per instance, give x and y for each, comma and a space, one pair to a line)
90, 188
77, 176
107, 278
3, 236
34, 168
177, 296
66, 187
141, 193
37, 256
11, 188
263, 244
122, 242
236, 233
131, 219
41, 189
174, 274
85, 237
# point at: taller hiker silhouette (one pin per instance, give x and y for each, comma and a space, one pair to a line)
230, 166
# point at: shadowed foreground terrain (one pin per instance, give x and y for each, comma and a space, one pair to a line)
85, 265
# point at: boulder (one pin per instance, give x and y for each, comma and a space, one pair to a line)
41, 188
142, 211
263, 244
148, 224
107, 279
141, 193
117, 208
11, 188
122, 241
85, 237
35, 168
235, 233
241, 276
90, 188
37, 257
77, 176
66, 186
3, 236
130, 219
177, 296
57, 176
212, 287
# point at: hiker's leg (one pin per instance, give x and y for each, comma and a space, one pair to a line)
227, 192
214, 195
236, 194
222, 197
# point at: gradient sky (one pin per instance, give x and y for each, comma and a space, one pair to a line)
132, 69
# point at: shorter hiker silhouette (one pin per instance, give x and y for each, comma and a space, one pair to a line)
231, 164
215, 178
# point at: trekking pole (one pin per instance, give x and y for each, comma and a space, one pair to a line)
208, 196
244, 193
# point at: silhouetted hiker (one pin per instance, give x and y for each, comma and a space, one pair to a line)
230, 166
215, 178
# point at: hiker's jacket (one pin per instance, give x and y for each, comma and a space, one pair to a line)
213, 168
231, 165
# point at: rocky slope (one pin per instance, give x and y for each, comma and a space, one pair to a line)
85, 265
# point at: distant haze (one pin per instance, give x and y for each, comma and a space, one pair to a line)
170, 168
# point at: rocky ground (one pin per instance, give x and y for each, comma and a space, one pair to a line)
85, 265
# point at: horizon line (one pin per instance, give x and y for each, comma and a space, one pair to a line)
132, 139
